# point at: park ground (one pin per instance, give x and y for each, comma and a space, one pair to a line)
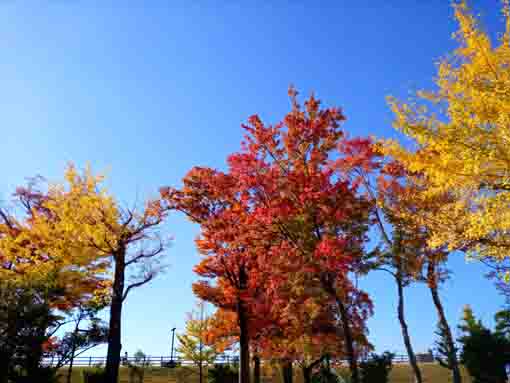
401, 373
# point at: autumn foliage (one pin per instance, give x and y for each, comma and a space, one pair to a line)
284, 227
460, 129
298, 215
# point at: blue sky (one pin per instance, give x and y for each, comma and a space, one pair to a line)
146, 91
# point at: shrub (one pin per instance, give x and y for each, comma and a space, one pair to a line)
42, 375
171, 364
325, 375
140, 357
485, 353
223, 373
377, 368
93, 375
344, 375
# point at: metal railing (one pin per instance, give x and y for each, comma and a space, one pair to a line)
165, 361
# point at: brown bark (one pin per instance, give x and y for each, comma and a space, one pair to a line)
307, 375
73, 348
345, 320
70, 368
307, 370
286, 365
452, 357
405, 331
244, 345
349, 341
256, 369
4, 366
114, 332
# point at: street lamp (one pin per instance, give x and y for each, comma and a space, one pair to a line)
172, 350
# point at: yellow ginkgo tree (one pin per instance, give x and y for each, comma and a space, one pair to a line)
461, 134
45, 271
78, 233
127, 240
194, 345
40, 243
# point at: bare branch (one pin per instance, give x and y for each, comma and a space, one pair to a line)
387, 270
142, 254
6, 219
58, 326
149, 277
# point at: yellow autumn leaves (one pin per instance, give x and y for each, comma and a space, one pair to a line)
59, 238
462, 134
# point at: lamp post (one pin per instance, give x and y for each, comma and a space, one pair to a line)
172, 350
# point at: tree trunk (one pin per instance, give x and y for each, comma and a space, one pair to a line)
307, 370
286, 365
244, 345
405, 331
114, 332
73, 349
349, 341
71, 362
454, 362
7, 355
4, 366
307, 375
34, 358
256, 369
201, 349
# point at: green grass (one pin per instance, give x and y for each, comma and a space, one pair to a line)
401, 373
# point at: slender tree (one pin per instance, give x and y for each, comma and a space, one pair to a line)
407, 252
134, 243
193, 343
399, 251
209, 198
448, 347
81, 339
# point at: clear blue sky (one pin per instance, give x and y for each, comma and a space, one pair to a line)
147, 92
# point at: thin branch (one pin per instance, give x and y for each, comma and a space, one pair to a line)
58, 326
146, 255
6, 219
370, 191
387, 270
147, 279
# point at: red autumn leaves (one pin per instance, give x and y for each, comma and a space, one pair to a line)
285, 224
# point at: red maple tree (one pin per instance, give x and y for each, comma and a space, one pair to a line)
288, 219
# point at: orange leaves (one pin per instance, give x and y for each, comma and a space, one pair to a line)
284, 213
153, 209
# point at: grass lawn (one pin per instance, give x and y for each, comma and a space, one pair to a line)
432, 373
401, 373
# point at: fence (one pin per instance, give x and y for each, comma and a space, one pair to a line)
149, 360
165, 361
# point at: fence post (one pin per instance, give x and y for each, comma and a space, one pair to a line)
90, 361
